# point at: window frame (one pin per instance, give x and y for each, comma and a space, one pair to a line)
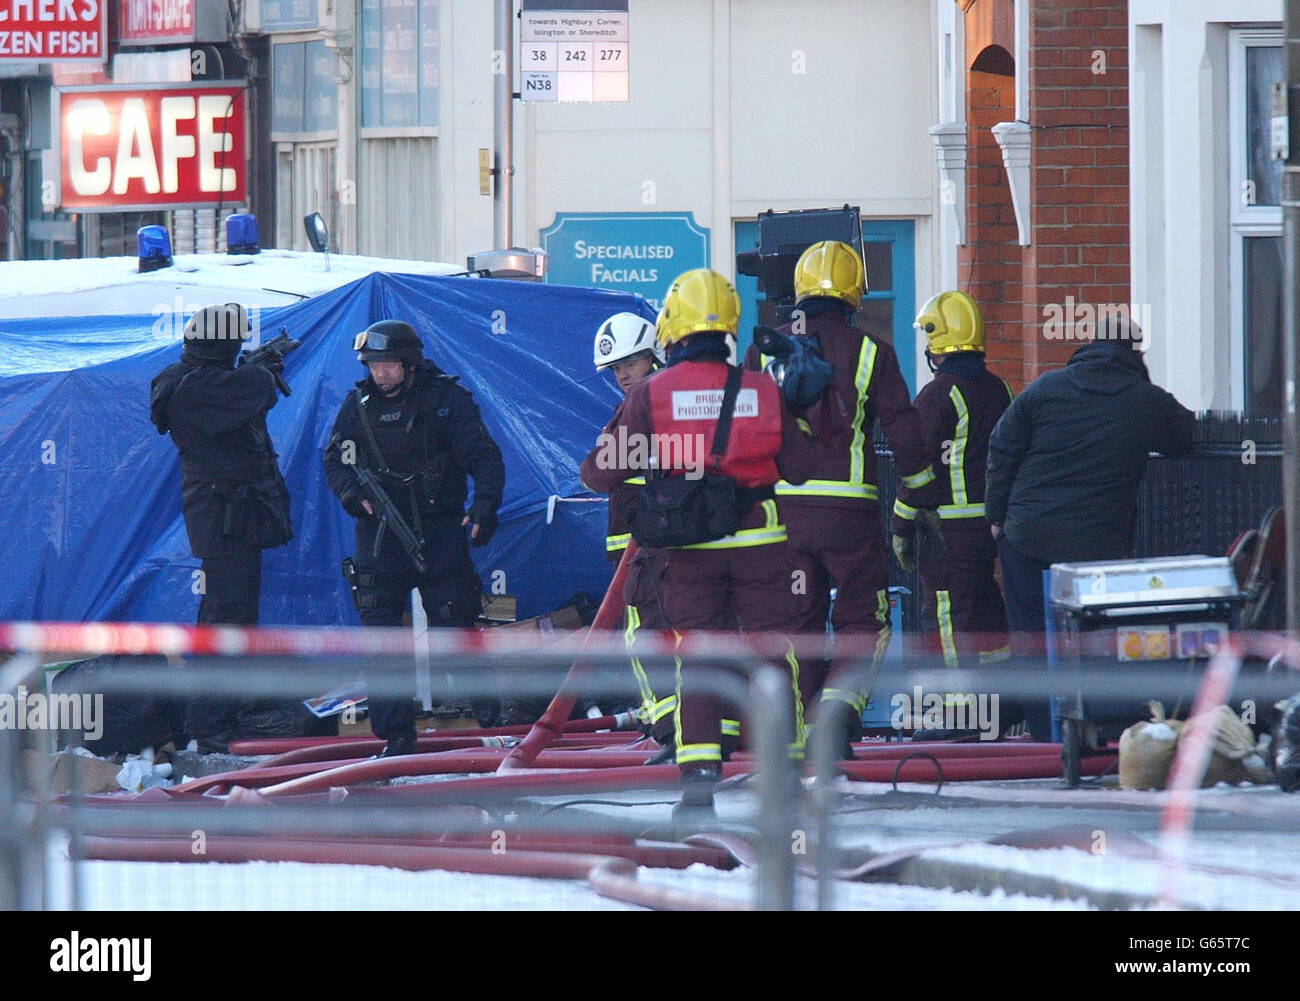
281, 136
1244, 221
376, 130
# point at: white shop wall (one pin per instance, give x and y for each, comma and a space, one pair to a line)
1188, 219
735, 108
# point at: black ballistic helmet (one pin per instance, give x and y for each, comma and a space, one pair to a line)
215, 334
389, 340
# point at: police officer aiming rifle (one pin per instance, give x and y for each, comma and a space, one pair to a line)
402, 446
232, 494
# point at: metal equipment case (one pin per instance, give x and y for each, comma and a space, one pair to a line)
1168, 613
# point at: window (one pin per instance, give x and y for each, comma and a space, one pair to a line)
399, 63
1255, 66
305, 97
888, 307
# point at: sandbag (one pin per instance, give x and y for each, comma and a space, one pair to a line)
1236, 757
1147, 751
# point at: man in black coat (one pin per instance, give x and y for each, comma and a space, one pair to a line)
420, 434
232, 494
1065, 462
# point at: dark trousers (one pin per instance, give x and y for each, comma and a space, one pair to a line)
1022, 585
725, 589
843, 548
962, 608
232, 588
642, 596
450, 592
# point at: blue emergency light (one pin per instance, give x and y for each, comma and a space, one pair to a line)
241, 234
154, 247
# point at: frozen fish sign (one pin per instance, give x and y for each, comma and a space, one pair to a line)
53, 30
637, 252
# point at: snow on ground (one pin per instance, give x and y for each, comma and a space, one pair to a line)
142, 886
112, 286
1235, 862
258, 886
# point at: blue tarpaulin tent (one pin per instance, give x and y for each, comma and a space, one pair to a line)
92, 529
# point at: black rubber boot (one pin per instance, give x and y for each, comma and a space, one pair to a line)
405, 744
844, 726
696, 803
666, 755
218, 743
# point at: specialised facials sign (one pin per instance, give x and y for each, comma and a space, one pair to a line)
638, 252
146, 147
51, 31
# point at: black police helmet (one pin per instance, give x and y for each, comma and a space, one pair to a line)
215, 334
389, 340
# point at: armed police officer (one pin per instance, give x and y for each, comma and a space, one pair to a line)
411, 431
232, 494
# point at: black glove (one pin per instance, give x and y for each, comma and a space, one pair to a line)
484, 515
351, 501
929, 534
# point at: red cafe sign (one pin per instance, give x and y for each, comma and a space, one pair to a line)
51, 31
146, 147
149, 21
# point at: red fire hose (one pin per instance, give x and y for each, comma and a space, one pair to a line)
551, 725
282, 745
423, 853
1042, 766
609, 875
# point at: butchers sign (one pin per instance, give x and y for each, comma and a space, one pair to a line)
51, 31
144, 147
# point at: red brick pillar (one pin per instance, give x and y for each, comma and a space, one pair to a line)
1078, 260
1078, 257
989, 266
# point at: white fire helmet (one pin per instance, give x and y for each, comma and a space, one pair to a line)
622, 336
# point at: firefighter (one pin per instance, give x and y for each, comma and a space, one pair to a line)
627, 344
742, 579
836, 530
962, 603
421, 435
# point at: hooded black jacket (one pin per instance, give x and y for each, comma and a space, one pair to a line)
1066, 458
232, 494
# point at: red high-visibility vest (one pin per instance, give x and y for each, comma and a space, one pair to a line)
685, 402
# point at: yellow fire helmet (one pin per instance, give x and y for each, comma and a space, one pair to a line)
832, 269
951, 322
699, 300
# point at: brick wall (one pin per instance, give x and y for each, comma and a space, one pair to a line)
1078, 105
989, 267
1079, 197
